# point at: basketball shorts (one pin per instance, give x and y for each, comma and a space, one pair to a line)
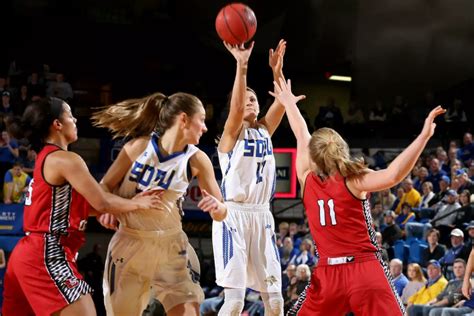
245, 251
362, 285
42, 277
145, 264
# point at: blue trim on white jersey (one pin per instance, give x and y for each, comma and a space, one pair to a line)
161, 158
223, 177
272, 196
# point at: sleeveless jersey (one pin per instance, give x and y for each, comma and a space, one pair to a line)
248, 171
56, 210
153, 171
340, 223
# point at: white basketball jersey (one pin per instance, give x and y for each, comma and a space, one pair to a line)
248, 171
153, 171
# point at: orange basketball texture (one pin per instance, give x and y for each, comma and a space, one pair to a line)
236, 23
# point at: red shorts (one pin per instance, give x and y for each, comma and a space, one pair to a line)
362, 286
41, 278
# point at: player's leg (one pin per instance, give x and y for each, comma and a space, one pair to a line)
14, 299
177, 274
126, 281
264, 269
326, 294
371, 289
233, 302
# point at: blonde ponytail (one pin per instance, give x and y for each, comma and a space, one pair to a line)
331, 154
139, 117
131, 118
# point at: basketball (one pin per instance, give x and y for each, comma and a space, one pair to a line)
236, 23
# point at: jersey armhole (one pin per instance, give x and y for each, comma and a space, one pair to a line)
42, 169
303, 185
352, 194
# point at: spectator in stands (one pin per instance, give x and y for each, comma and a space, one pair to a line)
433, 287
428, 194
22, 101
406, 216
329, 115
386, 198
355, 117
435, 174
392, 232
410, 196
303, 274
450, 295
443, 159
439, 196
457, 250
28, 160
377, 114
298, 284
287, 276
399, 279
421, 175
466, 212
383, 250
417, 281
435, 250
60, 89
287, 252
294, 233
400, 192
464, 182
8, 154
377, 215
3, 84
466, 153
6, 108
455, 113
15, 184
445, 215
283, 230
306, 254
36, 88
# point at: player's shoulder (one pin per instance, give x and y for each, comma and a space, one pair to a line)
136, 146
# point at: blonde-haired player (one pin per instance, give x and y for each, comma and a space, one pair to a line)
150, 254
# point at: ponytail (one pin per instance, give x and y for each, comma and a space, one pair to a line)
131, 118
139, 117
330, 153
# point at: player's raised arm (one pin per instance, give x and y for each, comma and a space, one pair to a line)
298, 125
235, 119
400, 167
276, 111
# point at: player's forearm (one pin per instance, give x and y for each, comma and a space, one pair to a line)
297, 123
401, 166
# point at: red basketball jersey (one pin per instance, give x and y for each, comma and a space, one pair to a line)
340, 223
58, 210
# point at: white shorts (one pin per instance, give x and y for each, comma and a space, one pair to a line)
140, 264
245, 251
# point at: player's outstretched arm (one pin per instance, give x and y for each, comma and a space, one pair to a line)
298, 125
81, 180
235, 119
374, 181
202, 169
276, 111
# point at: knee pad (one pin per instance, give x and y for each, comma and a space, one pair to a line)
231, 308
